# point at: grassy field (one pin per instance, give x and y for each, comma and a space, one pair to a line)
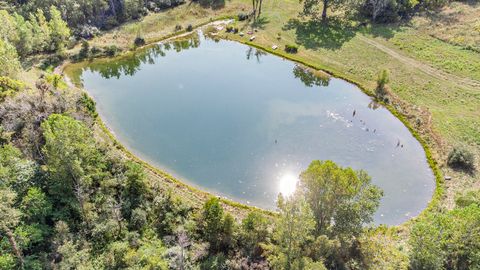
434, 75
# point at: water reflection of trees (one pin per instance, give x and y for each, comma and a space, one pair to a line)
128, 66
311, 77
252, 52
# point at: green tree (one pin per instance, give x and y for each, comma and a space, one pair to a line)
25, 35
217, 228
35, 205
9, 219
9, 64
59, 30
254, 231
342, 200
293, 230
311, 7
40, 30
73, 161
447, 240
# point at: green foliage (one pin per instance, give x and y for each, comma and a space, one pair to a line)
169, 213
468, 198
9, 86
342, 200
460, 158
447, 240
73, 161
291, 48
217, 228
33, 32
9, 64
7, 261
254, 232
242, 16
293, 230
148, 256
84, 50
89, 104
59, 30
111, 50
139, 42
15, 172
35, 205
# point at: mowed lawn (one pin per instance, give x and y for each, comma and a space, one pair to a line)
436, 81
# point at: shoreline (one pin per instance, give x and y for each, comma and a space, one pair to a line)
439, 187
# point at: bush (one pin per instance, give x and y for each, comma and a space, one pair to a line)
291, 48
178, 27
95, 51
111, 50
460, 158
242, 16
139, 41
189, 28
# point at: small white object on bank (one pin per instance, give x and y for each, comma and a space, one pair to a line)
252, 38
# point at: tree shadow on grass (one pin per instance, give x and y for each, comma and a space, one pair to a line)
314, 35
386, 31
213, 4
260, 23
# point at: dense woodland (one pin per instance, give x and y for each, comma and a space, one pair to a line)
69, 200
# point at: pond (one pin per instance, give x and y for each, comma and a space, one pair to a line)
243, 124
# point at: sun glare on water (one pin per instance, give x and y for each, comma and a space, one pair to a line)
287, 184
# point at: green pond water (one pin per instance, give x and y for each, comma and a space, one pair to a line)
243, 124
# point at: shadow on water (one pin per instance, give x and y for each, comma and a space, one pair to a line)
128, 66
330, 35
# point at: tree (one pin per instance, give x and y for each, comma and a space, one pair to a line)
73, 161
342, 200
40, 30
256, 9
448, 240
25, 35
213, 222
59, 30
293, 230
378, 7
310, 7
9, 64
254, 232
35, 205
217, 228
9, 218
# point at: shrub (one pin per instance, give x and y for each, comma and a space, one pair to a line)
178, 27
289, 48
460, 158
95, 51
242, 16
111, 50
229, 28
189, 28
139, 41
89, 105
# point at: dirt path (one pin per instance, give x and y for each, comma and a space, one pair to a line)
434, 72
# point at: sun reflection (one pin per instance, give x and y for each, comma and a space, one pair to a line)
287, 184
